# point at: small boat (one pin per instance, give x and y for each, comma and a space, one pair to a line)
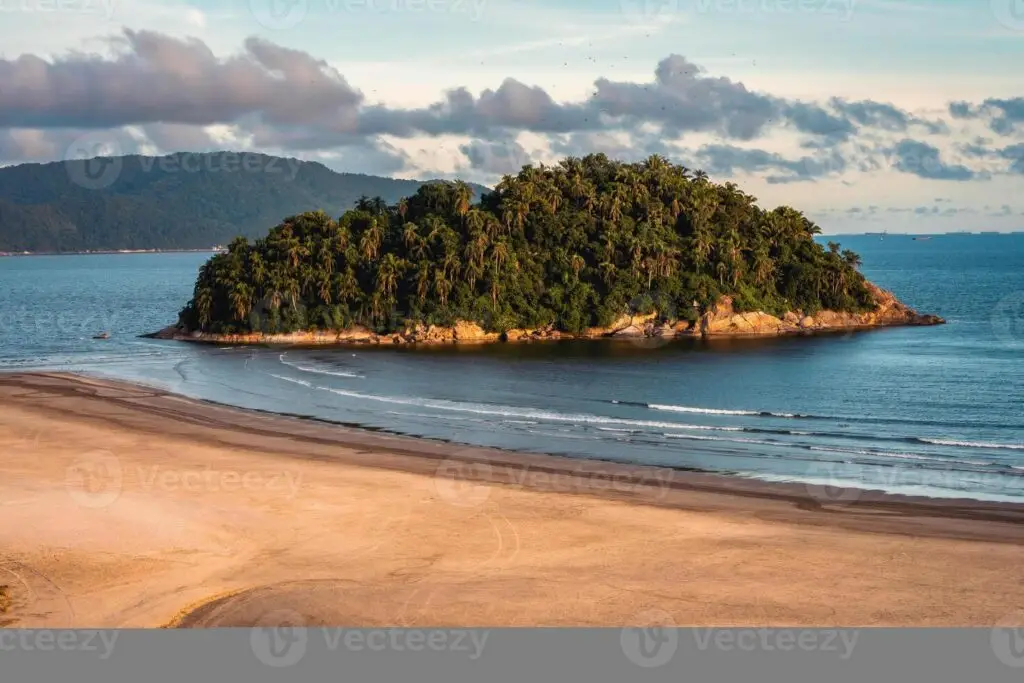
922, 238
102, 335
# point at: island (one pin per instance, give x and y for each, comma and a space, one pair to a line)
587, 248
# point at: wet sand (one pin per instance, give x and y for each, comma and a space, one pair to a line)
126, 506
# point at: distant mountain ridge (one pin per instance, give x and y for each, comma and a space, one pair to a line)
177, 201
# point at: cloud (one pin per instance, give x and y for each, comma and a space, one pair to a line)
924, 161
1012, 153
153, 91
501, 157
154, 78
628, 147
727, 160
1004, 116
884, 116
682, 99
374, 157
286, 98
810, 118
179, 137
1015, 154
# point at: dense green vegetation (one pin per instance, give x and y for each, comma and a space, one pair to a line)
574, 245
180, 201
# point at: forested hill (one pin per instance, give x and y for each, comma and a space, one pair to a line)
180, 201
571, 246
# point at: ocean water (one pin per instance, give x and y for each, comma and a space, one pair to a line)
935, 411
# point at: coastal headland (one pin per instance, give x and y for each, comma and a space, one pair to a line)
127, 506
587, 248
721, 321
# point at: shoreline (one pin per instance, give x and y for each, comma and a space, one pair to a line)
720, 321
385, 529
127, 252
772, 487
344, 338
307, 429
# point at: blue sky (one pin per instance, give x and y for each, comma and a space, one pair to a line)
361, 86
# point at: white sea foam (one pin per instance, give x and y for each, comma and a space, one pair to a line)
318, 371
713, 411
696, 437
703, 411
974, 444
517, 412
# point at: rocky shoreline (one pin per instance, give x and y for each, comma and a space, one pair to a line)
721, 321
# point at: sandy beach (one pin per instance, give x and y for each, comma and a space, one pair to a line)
124, 506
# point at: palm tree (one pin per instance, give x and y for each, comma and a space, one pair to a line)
388, 273
442, 285
369, 243
422, 280
462, 198
851, 259
241, 300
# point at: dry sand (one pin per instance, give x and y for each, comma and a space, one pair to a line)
129, 507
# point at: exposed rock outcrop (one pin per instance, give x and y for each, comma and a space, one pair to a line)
721, 321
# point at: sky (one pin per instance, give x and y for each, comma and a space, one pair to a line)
868, 115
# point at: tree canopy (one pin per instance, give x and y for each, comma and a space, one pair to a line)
178, 201
572, 246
